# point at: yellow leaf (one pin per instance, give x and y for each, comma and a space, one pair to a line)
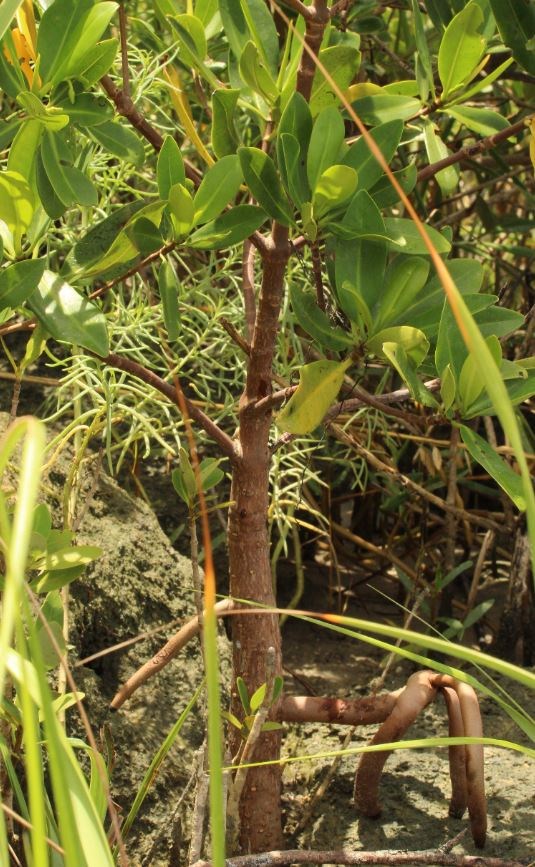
182, 108
319, 384
530, 123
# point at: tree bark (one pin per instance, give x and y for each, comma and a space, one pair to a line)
249, 562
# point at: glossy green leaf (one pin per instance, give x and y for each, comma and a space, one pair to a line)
470, 385
87, 109
481, 120
70, 185
495, 465
318, 387
404, 280
406, 238
52, 117
380, 108
296, 120
256, 75
518, 390
169, 287
219, 186
7, 12
447, 178
412, 340
292, 169
191, 38
68, 316
234, 25
181, 209
261, 24
516, 23
264, 183
120, 141
211, 473
69, 29
145, 236
315, 322
230, 228
448, 388
48, 197
94, 245
258, 697
387, 137
98, 61
23, 151
385, 195
335, 186
16, 205
461, 48
8, 130
325, 143
19, 280
12, 80
424, 70
404, 364
170, 167
342, 62
481, 84
224, 135
359, 269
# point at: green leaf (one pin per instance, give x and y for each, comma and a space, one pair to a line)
296, 120
69, 29
424, 70
93, 246
413, 341
380, 108
87, 109
219, 186
70, 185
447, 178
448, 387
385, 195
480, 120
361, 263
52, 611
495, 466
230, 228
19, 280
191, 38
120, 141
315, 322
169, 287
516, 23
16, 205
264, 183
235, 25
401, 361
243, 692
68, 316
224, 135
170, 167
67, 558
260, 22
145, 236
258, 697
335, 186
406, 238
181, 209
325, 144
256, 75
97, 61
387, 137
461, 48
342, 63
292, 169
318, 387
7, 12
211, 474
404, 280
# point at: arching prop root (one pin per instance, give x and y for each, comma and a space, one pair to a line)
466, 762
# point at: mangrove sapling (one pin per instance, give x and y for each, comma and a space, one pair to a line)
321, 195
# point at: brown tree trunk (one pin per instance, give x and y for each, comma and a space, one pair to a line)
250, 569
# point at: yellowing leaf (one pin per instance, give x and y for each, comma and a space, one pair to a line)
319, 384
182, 108
530, 123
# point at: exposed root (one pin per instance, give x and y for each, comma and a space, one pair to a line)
466, 762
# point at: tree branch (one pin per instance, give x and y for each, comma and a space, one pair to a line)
213, 430
472, 150
346, 857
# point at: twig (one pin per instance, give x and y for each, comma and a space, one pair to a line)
162, 251
237, 786
488, 540
346, 857
164, 655
472, 150
169, 390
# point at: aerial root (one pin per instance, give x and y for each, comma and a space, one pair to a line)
466, 762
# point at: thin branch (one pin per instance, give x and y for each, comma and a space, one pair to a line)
166, 653
346, 857
162, 251
307, 12
213, 430
473, 149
